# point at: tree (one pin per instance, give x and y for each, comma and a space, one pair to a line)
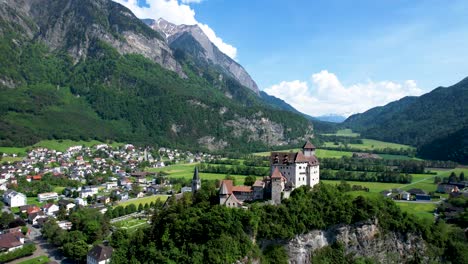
249, 180
437, 179
76, 250
462, 176
453, 177
5, 219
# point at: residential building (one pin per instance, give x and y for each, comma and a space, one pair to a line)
43, 197
11, 241
14, 199
100, 254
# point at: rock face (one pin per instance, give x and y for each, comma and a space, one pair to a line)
75, 25
177, 37
363, 239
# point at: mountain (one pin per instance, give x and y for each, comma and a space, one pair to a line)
433, 122
90, 69
192, 40
331, 118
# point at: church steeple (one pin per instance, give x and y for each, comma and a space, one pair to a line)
196, 181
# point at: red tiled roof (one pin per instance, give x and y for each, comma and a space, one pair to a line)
301, 158
33, 209
227, 187
258, 183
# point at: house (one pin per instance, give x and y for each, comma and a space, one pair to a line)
67, 204
104, 199
81, 202
416, 191
88, 191
34, 217
42, 197
154, 189
50, 209
100, 254
29, 208
447, 188
386, 193
226, 197
65, 225
186, 189
11, 241
423, 197
14, 199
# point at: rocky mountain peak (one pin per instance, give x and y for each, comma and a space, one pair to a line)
176, 36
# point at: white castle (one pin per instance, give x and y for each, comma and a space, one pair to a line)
288, 170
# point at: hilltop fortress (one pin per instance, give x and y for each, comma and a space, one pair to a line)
288, 170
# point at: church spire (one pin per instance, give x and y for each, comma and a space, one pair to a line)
196, 181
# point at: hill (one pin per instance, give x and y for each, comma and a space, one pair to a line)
434, 122
92, 70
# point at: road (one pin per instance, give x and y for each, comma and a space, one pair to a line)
43, 248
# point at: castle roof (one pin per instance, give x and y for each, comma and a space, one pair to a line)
286, 158
242, 188
308, 145
259, 183
226, 187
277, 174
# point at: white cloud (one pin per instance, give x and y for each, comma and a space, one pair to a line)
191, 1
177, 13
327, 95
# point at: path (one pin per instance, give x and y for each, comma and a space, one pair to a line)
416, 182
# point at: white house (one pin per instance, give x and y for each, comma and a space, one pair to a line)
81, 202
88, 191
14, 199
50, 209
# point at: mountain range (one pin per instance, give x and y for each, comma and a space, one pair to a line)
91, 69
436, 123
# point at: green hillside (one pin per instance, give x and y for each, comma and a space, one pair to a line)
49, 93
435, 122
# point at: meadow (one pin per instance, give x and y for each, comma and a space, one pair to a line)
343, 133
371, 144
36, 260
144, 200
130, 223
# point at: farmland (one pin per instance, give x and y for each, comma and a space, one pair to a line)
144, 200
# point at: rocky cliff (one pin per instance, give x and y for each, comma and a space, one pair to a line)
177, 36
363, 239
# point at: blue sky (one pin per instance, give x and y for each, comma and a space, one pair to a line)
334, 56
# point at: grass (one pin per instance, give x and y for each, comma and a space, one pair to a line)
320, 153
185, 171
130, 223
144, 200
423, 210
59, 189
11, 159
34, 200
397, 157
13, 150
37, 260
63, 145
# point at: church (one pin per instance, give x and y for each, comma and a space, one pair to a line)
288, 170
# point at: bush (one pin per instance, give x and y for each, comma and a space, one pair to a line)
26, 250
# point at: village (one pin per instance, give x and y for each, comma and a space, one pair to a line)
49, 184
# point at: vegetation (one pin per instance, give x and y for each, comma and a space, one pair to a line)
37, 260
434, 122
26, 250
198, 231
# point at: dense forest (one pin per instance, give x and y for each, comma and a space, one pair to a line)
435, 122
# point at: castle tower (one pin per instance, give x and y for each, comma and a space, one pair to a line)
277, 185
309, 149
196, 181
223, 193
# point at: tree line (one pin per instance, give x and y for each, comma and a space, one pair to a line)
385, 176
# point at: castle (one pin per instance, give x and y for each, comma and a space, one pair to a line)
288, 170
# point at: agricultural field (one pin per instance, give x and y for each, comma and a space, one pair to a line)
344, 133
11, 159
423, 210
144, 200
185, 171
63, 145
371, 144
13, 150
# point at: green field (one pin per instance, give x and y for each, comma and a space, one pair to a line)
33, 200
371, 144
37, 260
130, 223
320, 153
185, 171
397, 157
13, 150
144, 200
11, 159
344, 133
423, 210
63, 145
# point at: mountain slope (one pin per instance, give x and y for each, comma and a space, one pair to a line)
191, 39
90, 70
417, 121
